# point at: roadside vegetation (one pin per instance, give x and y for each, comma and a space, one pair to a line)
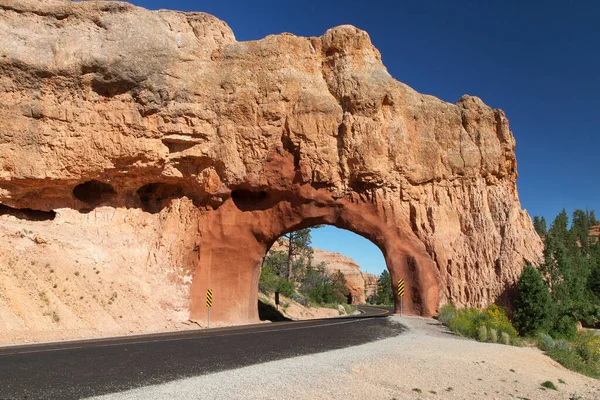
554, 299
488, 325
293, 274
563, 293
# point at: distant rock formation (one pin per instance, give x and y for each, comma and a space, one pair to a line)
370, 285
220, 147
359, 283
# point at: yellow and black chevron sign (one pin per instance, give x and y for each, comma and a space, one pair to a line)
209, 298
400, 287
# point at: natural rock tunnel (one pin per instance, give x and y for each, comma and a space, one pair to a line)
235, 237
222, 146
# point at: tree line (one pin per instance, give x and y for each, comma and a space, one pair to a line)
565, 289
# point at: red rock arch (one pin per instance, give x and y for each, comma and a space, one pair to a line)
235, 237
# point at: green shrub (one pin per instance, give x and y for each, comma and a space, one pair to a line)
545, 341
471, 322
565, 327
549, 385
482, 333
447, 313
562, 345
587, 346
270, 282
466, 322
349, 309
494, 317
493, 335
322, 288
581, 355
505, 338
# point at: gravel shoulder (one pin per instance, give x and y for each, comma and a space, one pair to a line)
426, 357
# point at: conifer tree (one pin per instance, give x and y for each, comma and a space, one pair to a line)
298, 245
592, 217
580, 228
539, 224
385, 294
533, 307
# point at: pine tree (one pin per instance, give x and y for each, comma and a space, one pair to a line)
580, 228
539, 224
340, 290
560, 231
533, 307
385, 294
592, 218
543, 225
298, 245
593, 282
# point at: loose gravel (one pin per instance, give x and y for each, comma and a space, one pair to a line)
425, 362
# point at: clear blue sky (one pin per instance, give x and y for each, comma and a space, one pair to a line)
537, 60
361, 250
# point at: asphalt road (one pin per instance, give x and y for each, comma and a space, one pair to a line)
79, 369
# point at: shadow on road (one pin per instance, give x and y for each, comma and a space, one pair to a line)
267, 312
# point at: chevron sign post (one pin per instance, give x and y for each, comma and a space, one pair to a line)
209, 303
400, 292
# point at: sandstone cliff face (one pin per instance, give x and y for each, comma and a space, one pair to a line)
114, 106
108, 272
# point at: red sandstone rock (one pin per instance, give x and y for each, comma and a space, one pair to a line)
109, 104
338, 262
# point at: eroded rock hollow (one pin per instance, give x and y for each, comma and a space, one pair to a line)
110, 106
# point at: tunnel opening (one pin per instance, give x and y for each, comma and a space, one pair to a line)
93, 192
319, 271
236, 238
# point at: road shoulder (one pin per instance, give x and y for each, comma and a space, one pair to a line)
427, 361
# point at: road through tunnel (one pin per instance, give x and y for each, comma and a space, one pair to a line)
236, 236
319, 271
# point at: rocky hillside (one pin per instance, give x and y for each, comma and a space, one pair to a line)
108, 274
